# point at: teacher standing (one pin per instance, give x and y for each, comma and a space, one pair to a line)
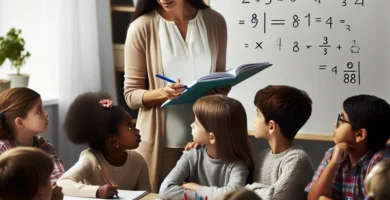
180, 39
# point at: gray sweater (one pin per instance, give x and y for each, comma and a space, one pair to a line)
282, 176
214, 176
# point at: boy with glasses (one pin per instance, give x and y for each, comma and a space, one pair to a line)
360, 134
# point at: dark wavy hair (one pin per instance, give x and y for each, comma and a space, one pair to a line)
87, 121
145, 6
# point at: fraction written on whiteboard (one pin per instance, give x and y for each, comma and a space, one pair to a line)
351, 72
296, 21
343, 2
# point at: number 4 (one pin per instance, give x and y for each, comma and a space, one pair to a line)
278, 43
359, 2
334, 69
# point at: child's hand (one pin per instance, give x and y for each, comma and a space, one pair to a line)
324, 198
107, 191
190, 186
340, 152
191, 145
57, 193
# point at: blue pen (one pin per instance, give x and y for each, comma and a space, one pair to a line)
168, 79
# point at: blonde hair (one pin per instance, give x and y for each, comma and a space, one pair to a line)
22, 171
378, 180
15, 102
240, 194
226, 119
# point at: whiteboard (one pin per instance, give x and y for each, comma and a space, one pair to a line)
332, 49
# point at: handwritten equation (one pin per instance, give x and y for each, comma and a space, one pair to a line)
296, 46
343, 3
324, 29
296, 21
351, 72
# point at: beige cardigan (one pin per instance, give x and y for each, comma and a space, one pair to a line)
142, 62
84, 178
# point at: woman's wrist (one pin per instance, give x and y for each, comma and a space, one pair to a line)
154, 97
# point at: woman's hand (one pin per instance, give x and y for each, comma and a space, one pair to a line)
224, 91
324, 198
173, 90
190, 186
191, 145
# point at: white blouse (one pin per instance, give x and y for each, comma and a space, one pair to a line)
188, 60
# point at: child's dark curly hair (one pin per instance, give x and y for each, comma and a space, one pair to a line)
87, 121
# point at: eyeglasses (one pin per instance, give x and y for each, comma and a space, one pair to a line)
340, 119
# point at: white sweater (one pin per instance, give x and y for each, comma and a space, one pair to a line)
282, 176
84, 178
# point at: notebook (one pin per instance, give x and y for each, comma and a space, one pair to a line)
214, 80
123, 194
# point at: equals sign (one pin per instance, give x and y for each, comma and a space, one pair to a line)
278, 22
323, 66
241, 21
246, 45
318, 19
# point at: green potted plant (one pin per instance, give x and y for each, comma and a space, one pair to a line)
12, 48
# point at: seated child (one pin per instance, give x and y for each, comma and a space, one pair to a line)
360, 135
22, 118
283, 170
25, 175
109, 164
377, 182
224, 161
240, 194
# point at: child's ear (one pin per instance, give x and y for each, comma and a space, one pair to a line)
212, 138
361, 135
18, 122
271, 127
111, 141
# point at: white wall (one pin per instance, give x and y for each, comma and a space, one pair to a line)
36, 22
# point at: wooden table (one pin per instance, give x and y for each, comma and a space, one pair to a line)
151, 196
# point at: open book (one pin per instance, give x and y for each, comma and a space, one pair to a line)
123, 194
214, 80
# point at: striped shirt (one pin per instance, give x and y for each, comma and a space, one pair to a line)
42, 143
349, 183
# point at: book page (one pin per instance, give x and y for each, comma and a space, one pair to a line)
123, 194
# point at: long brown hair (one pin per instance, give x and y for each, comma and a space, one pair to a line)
145, 6
14, 102
22, 171
226, 119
